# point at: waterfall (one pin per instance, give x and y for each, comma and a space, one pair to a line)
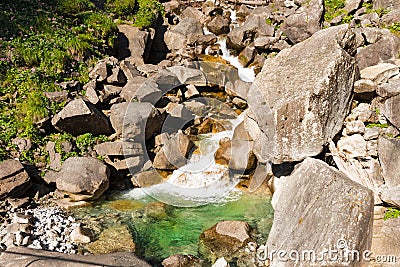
200, 181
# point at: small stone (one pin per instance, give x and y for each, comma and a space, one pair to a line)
371, 133
78, 236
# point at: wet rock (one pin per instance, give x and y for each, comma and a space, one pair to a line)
131, 44
390, 89
179, 260
380, 73
388, 156
224, 239
354, 146
137, 121
79, 117
174, 153
147, 178
391, 110
113, 239
292, 128
328, 193
83, 178
14, 180
218, 25
247, 55
304, 22
20, 256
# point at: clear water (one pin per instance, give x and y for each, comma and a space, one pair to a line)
160, 230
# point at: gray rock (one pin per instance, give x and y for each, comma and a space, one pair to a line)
298, 105
391, 196
147, 178
371, 133
352, 5
138, 121
390, 89
83, 178
131, 44
117, 76
187, 75
355, 127
129, 90
14, 180
218, 25
177, 37
174, 153
119, 148
380, 73
79, 117
314, 212
391, 17
388, 156
391, 110
354, 146
364, 90
192, 13
20, 256
57, 97
99, 72
386, 4
304, 22
247, 55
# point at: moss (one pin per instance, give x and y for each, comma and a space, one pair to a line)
371, 125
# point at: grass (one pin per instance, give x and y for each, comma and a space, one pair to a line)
382, 126
44, 42
392, 213
333, 8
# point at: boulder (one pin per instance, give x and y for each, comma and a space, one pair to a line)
147, 178
80, 116
14, 180
131, 44
388, 149
134, 120
224, 239
255, 26
300, 104
391, 196
390, 89
391, 110
119, 148
355, 127
380, 73
247, 55
20, 256
83, 178
174, 153
364, 90
219, 25
192, 13
176, 38
386, 4
130, 88
319, 208
354, 146
187, 75
179, 260
304, 22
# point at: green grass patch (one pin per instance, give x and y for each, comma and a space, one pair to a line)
382, 126
334, 8
392, 213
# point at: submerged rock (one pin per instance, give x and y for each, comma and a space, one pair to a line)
179, 260
114, 239
302, 96
320, 208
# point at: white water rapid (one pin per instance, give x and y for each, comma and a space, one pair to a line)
200, 181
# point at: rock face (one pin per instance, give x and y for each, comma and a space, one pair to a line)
83, 178
79, 117
316, 207
20, 256
225, 238
14, 180
386, 240
304, 22
391, 110
388, 151
301, 96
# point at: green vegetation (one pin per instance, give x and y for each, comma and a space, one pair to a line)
394, 28
371, 125
392, 213
334, 8
45, 42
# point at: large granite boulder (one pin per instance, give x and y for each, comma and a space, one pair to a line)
176, 38
83, 178
80, 116
131, 44
302, 96
319, 208
14, 180
305, 21
20, 256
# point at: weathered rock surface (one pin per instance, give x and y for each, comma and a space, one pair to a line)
20, 256
131, 44
380, 73
174, 153
177, 37
79, 117
391, 196
390, 89
388, 151
225, 238
301, 96
316, 207
218, 25
14, 180
305, 21
83, 178
354, 146
391, 110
